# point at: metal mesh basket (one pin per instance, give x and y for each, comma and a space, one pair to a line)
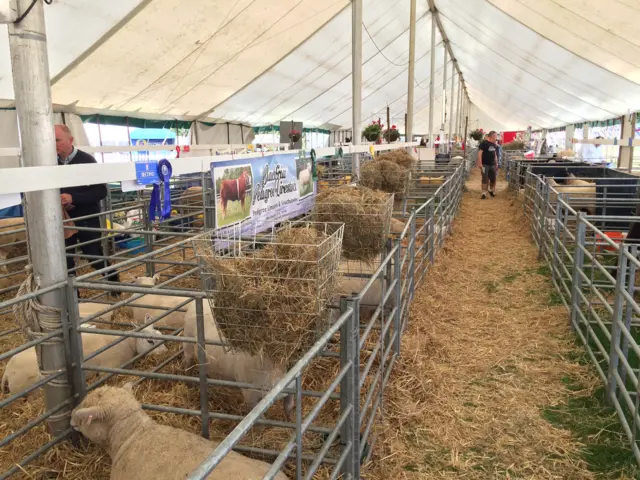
385, 176
269, 291
366, 216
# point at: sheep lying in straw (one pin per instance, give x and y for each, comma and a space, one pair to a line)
22, 369
231, 365
141, 449
582, 194
172, 320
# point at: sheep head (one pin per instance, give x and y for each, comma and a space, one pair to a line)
100, 409
145, 344
147, 281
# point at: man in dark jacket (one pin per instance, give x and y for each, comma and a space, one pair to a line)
80, 202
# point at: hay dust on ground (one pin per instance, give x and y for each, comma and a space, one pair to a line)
483, 354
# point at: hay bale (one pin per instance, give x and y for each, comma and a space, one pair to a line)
273, 302
386, 176
515, 145
400, 157
366, 215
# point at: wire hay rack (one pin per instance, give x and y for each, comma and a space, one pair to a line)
366, 215
269, 291
386, 176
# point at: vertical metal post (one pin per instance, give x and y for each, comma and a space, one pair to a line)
356, 79
578, 264
543, 220
202, 368
30, 66
388, 124
453, 75
412, 255
75, 354
616, 320
569, 133
459, 105
627, 130
432, 231
631, 286
298, 426
397, 273
556, 241
443, 116
148, 239
350, 385
412, 63
432, 73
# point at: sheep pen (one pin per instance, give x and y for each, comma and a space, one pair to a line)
75, 463
366, 215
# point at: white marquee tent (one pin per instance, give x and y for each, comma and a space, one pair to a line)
539, 63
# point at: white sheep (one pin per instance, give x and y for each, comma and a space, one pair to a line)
142, 449
372, 298
91, 308
147, 281
397, 226
4, 281
173, 320
22, 369
305, 175
234, 365
582, 194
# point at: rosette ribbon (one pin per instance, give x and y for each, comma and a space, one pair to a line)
161, 207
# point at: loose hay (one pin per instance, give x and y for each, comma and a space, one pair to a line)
273, 302
366, 215
515, 145
400, 157
386, 176
477, 367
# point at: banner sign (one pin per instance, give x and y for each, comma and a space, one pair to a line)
261, 192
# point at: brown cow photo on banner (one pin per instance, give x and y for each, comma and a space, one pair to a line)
233, 189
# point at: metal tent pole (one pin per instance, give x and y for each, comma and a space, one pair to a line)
31, 81
431, 78
459, 103
453, 74
356, 79
443, 116
388, 124
412, 64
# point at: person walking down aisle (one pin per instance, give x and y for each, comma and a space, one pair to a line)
488, 163
81, 202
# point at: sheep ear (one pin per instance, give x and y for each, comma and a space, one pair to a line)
129, 387
89, 414
156, 278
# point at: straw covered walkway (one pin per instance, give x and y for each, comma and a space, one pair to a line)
486, 355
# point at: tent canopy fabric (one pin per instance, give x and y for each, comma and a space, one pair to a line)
538, 63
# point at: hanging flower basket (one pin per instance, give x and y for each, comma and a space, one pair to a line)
372, 132
477, 134
294, 136
391, 135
